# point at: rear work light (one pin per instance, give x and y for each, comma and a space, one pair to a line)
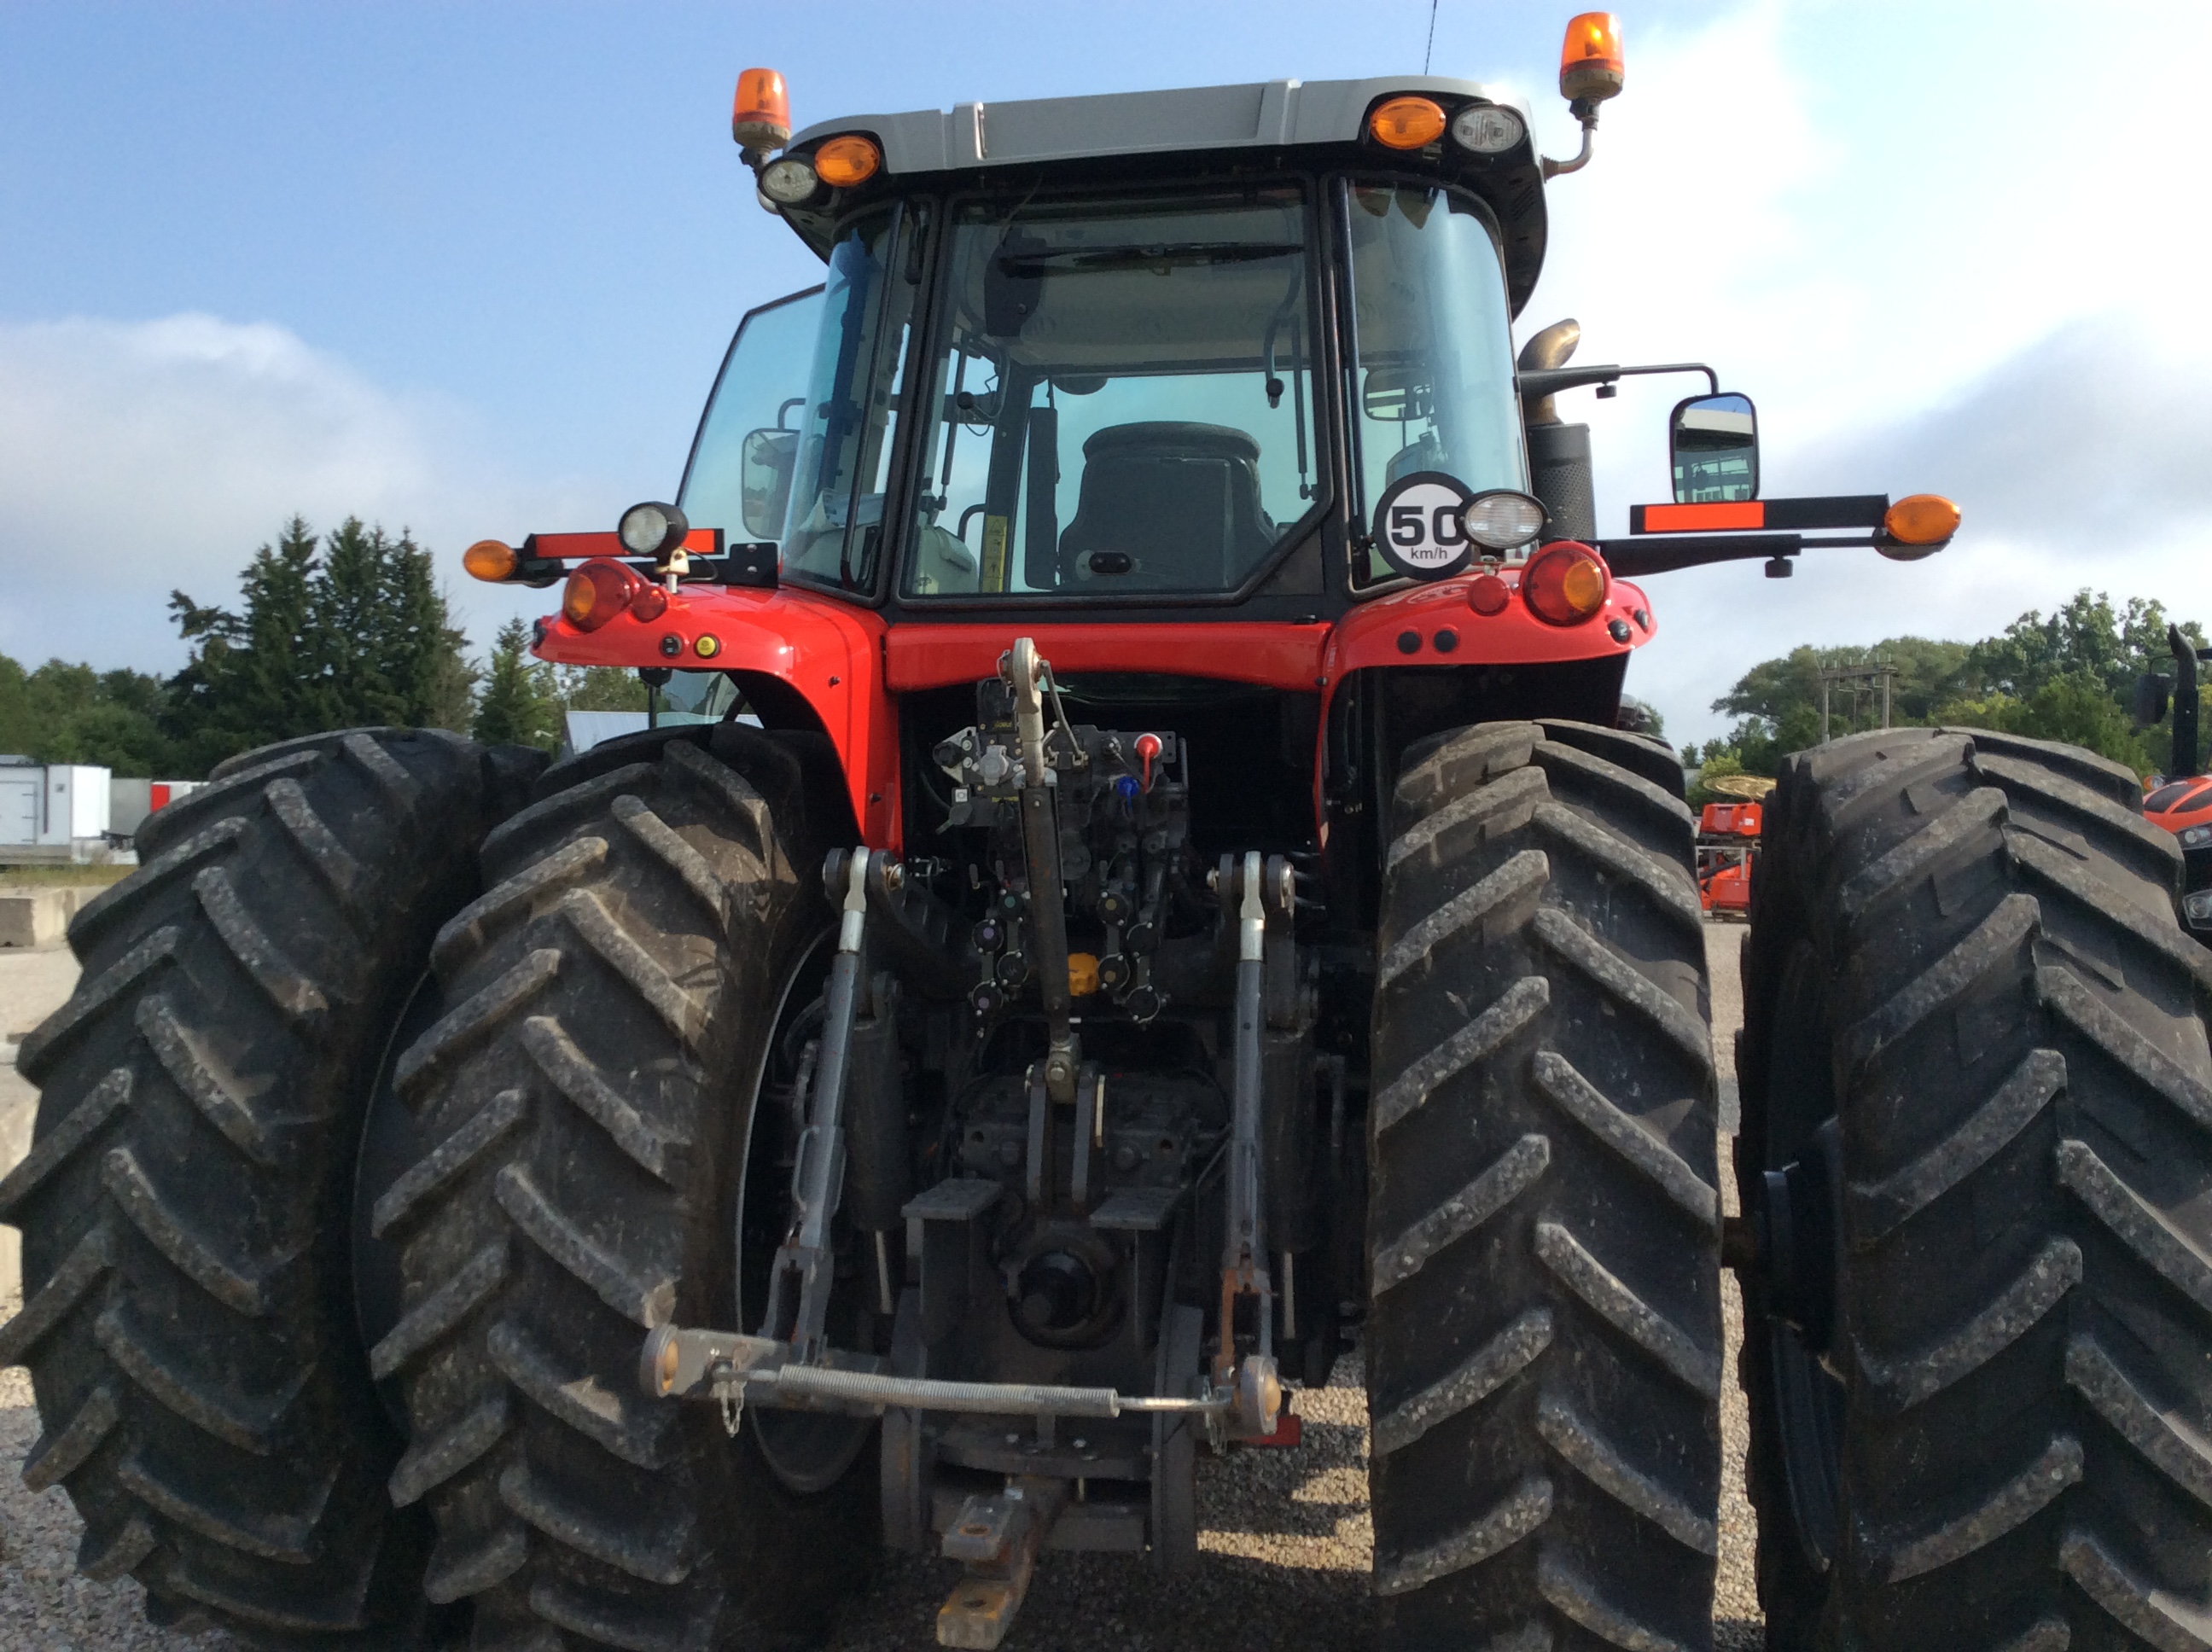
1408, 122
1485, 129
1565, 584
653, 530
789, 181
1502, 519
598, 591
841, 162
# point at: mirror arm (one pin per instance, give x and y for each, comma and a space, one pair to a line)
1642, 554
1549, 382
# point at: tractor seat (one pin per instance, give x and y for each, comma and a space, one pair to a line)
1166, 506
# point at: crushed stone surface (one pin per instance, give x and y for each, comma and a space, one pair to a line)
1285, 1539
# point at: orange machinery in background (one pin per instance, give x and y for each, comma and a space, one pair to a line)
1728, 848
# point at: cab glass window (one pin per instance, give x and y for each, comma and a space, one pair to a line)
1431, 382
1121, 401
847, 428
738, 479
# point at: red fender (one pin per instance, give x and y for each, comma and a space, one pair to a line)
830, 651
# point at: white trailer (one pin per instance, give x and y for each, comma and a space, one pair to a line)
52, 811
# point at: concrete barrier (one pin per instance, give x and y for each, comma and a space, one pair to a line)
38, 917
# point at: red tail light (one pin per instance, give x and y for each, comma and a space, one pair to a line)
598, 591
1565, 584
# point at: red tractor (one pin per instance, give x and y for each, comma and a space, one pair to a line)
2182, 803
1141, 885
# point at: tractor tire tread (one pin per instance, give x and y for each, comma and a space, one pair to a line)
188, 1318
601, 985
1544, 1339
2024, 1087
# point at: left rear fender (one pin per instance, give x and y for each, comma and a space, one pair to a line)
829, 652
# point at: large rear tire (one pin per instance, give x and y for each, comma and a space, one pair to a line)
588, 1100
1978, 1135
1544, 1361
189, 1316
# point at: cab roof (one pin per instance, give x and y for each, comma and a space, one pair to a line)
1202, 121
1262, 114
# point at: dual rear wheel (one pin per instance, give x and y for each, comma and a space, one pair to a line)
1977, 1097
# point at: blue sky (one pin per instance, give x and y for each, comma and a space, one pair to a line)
470, 268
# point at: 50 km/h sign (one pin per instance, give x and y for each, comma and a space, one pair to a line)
1418, 527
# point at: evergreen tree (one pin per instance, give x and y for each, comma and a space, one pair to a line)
351, 631
517, 706
252, 677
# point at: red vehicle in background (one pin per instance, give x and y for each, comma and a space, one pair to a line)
1728, 847
2182, 804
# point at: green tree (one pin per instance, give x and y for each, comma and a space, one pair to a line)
65, 713
2069, 676
517, 706
2088, 638
1777, 702
2075, 707
332, 634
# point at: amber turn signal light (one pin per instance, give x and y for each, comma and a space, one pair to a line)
491, 560
1921, 520
1565, 584
1406, 123
841, 162
760, 119
598, 591
1591, 66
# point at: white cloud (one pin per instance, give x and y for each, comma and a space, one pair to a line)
1979, 289
139, 456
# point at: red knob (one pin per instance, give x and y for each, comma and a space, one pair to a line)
1148, 747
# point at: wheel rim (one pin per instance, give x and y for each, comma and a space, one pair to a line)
1810, 1400
807, 1451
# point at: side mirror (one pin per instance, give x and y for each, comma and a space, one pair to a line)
1712, 446
764, 480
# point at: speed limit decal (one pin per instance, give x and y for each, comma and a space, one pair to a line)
1417, 528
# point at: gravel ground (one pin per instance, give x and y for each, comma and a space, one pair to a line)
1286, 1537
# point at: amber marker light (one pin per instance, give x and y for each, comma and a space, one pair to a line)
1921, 520
1406, 123
597, 593
491, 560
672, 1362
841, 162
1591, 62
760, 119
1565, 584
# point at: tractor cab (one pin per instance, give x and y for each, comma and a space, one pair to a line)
1056, 364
